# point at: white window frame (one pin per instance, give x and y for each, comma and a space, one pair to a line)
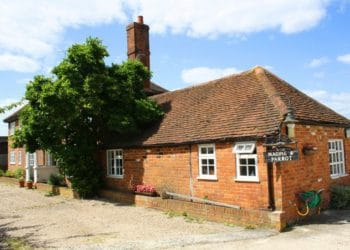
13, 157
244, 147
31, 159
19, 156
206, 157
244, 150
336, 158
113, 165
49, 160
12, 128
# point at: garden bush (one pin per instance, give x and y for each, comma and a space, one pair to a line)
9, 174
340, 197
2, 173
18, 173
56, 179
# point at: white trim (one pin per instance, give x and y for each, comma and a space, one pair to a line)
244, 147
49, 160
244, 152
336, 158
339, 176
13, 157
207, 156
118, 155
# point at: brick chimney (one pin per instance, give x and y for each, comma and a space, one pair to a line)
138, 44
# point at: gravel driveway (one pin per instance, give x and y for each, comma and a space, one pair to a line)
55, 222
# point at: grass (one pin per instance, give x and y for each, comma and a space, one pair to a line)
229, 224
185, 215
50, 194
15, 243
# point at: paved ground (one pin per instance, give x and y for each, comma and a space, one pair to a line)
55, 222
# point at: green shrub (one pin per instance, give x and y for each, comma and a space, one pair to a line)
9, 174
2, 172
340, 197
55, 179
18, 173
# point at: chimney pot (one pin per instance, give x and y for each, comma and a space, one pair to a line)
138, 44
140, 19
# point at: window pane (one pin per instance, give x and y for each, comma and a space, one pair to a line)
211, 170
252, 171
204, 170
210, 150
251, 161
204, 162
243, 170
243, 161
211, 161
203, 151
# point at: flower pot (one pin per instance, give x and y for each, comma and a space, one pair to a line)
29, 184
21, 183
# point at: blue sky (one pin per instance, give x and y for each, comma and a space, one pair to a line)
305, 42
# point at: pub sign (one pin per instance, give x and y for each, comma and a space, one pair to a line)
281, 154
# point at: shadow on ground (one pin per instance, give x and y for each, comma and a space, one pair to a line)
327, 217
10, 242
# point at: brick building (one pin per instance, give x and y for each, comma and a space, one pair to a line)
213, 140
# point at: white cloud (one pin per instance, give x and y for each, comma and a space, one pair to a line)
35, 28
204, 74
203, 18
318, 62
344, 58
18, 63
337, 101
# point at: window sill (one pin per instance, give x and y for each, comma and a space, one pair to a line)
246, 180
338, 176
207, 178
115, 176
12, 163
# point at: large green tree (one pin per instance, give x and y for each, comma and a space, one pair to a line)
69, 114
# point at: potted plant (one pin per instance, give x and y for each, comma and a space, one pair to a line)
145, 189
19, 174
30, 184
21, 182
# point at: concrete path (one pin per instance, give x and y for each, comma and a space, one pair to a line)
55, 222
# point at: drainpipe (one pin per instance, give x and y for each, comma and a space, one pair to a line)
190, 168
271, 192
270, 186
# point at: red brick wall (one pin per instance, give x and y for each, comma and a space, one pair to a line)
311, 172
168, 168
22, 164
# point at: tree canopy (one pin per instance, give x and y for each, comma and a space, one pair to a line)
69, 113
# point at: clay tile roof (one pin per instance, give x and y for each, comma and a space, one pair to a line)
251, 104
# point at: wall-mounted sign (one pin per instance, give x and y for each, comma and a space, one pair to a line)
281, 154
